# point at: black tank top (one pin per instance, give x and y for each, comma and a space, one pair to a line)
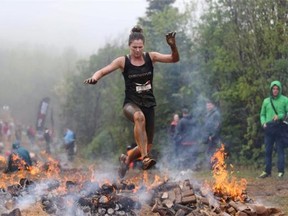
139, 82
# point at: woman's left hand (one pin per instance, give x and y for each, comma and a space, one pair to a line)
170, 38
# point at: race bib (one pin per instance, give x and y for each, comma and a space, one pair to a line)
143, 87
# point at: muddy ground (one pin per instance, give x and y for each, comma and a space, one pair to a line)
271, 191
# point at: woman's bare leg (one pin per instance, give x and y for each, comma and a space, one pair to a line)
134, 114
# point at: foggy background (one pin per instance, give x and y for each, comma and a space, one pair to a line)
41, 41
84, 25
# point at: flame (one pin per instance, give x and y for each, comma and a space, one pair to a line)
38, 171
2, 159
49, 168
224, 184
18, 162
144, 180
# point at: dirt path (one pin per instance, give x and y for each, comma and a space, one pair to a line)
270, 192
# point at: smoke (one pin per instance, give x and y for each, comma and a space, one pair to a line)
105, 174
187, 149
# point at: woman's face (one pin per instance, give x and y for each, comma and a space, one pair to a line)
176, 117
136, 48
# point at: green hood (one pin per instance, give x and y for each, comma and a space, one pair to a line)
277, 83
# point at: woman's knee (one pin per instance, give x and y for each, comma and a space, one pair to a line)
129, 111
139, 117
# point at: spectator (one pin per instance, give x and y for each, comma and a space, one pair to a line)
18, 132
31, 133
1, 148
6, 131
185, 140
184, 129
173, 124
273, 110
48, 140
19, 158
69, 142
1, 130
212, 121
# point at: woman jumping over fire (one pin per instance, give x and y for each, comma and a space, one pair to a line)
139, 102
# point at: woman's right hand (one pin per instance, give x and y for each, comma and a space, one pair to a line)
91, 81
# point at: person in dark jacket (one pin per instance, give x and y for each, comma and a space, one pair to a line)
273, 110
184, 130
173, 125
137, 69
19, 159
211, 129
185, 140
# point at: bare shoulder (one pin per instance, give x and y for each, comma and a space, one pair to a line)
119, 62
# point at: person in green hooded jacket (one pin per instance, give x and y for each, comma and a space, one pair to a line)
273, 111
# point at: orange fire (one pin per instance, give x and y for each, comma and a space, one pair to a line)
18, 162
37, 171
2, 159
224, 184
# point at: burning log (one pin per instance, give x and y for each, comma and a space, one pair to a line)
189, 199
123, 186
178, 197
239, 206
166, 186
14, 190
15, 212
180, 212
186, 208
24, 182
49, 205
168, 203
203, 200
70, 185
158, 208
10, 204
263, 211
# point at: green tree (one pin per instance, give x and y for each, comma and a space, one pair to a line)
239, 54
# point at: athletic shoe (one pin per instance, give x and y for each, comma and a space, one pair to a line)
148, 163
264, 175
